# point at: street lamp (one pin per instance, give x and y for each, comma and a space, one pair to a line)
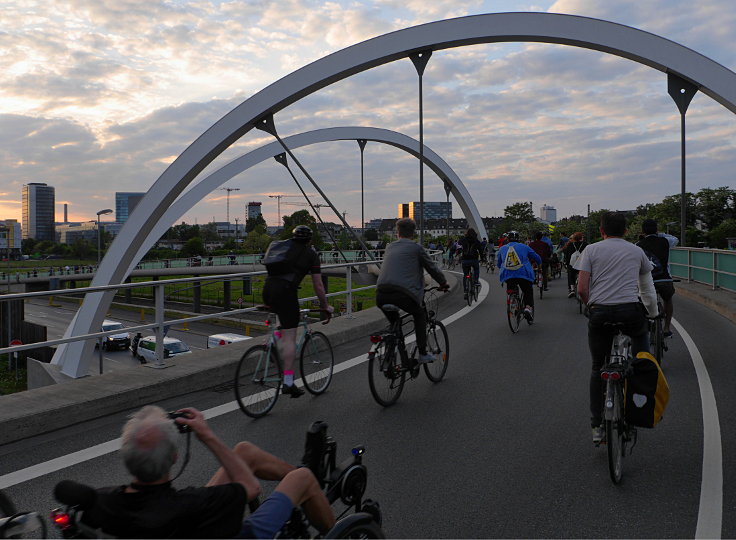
99, 236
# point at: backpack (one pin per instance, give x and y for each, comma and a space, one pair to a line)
647, 392
512, 260
575, 257
282, 257
658, 271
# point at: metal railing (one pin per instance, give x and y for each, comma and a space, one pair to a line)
714, 267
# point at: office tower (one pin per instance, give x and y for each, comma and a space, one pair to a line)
254, 210
38, 211
432, 210
548, 214
125, 203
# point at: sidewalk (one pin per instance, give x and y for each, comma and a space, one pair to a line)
721, 301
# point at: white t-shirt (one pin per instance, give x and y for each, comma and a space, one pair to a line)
614, 265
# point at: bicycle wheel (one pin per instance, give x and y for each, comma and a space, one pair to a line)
513, 311
438, 344
258, 381
316, 363
385, 374
468, 288
370, 529
615, 431
540, 285
659, 341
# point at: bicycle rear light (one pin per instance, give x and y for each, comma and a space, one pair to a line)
613, 375
375, 338
61, 519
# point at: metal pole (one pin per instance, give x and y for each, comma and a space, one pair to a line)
361, 144
682, 93
420, 60
99, 241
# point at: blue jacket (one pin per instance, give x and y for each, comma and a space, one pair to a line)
525, 255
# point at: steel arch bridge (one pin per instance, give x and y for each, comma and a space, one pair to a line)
648, 49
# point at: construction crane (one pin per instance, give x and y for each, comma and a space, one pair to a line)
229, 189
278, 200
316, 206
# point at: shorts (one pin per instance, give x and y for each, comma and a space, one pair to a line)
665, 289
268, 519
281, 296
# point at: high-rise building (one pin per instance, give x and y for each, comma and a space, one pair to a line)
548, 214
38, 211
254, 210
10, 238
432, 210
125, 203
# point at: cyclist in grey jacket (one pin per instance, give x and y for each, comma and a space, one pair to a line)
401, 281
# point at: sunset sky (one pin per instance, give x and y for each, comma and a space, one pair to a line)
99, 96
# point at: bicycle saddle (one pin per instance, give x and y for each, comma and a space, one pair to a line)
389, 307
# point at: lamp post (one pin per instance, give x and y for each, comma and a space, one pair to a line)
99, 236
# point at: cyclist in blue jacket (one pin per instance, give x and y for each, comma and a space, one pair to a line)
515, 261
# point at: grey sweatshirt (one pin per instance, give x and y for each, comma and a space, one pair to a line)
403, 269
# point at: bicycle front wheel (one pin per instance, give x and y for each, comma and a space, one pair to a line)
476, 291
258, 381
438, 344
615, 431
385, 374
316, 363
513, 312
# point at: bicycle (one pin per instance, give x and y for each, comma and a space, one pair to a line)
656, 334
389, 363
539, 280
555, 269
259, 377
490, 264
471, 288
14, 524
515, 307
614, 372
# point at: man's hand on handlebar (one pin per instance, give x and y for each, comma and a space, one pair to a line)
328, 312
444, 288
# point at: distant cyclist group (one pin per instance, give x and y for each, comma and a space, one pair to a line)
618, 282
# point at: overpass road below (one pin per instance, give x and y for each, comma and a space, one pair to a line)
500, 448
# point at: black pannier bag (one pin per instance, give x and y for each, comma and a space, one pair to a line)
647, 392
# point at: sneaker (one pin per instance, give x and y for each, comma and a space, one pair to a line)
598, 435
426, 358
293, 390
528, 314
571, 294
668, 333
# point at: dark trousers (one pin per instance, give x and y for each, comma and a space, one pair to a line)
467, 265
600, 338
572, 276
408, 304
526, 287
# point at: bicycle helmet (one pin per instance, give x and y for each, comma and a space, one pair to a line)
513, 236
302, 232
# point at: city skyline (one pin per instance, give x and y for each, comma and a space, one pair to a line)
106, 96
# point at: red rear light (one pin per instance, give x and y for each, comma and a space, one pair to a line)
222, 342
604, 375
268, 323
376, 339
60, 519
616, 376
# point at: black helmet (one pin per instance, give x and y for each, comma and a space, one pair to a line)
513, 236
302, 232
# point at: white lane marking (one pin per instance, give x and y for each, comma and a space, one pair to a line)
710, 513
57, 464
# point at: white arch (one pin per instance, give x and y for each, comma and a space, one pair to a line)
246, 161
659, 53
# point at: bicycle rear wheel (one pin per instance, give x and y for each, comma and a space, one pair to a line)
385, 374
258, 381
659, 341
468, 288
438, 344
476, 291
316, 362
513, 311
615, 431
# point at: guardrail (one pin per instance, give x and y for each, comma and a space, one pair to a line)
160, 325
714, 267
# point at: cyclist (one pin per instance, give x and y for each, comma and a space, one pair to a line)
657, 247
515, 263
401, 281
150, 507
572, 251
451, 248
614, 275
544, 251
280, 293
472, 252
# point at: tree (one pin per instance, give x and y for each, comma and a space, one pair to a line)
208, 233
713, 206
371, 235
301, 217
521, 212
184, 232
252, 223
193, 246
257, 240
28, 245
83, 249
717, 236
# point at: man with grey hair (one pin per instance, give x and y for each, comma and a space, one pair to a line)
401, 281
149, 507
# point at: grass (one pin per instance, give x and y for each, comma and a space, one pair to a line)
8, 382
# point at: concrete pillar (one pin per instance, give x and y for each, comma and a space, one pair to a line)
197, 296
226, 288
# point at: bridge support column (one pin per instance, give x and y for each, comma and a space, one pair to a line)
197, 296
128, 293
226, 287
